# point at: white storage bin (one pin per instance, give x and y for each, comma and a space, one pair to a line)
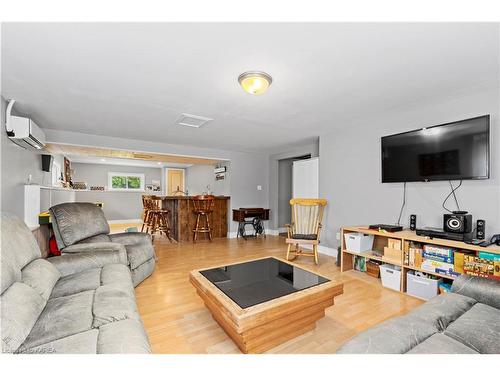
421, 287
358, 242
391, 276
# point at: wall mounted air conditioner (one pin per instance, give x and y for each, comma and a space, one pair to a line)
23, 130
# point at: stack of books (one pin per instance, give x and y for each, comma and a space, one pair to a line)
439, 260
413, 257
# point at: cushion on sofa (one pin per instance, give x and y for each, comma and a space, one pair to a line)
19, 248
114, 302
76, 221
478, 328
483, 290
80, 343
395, 336
69, 264
111, 335
116, 273
442, 310
77, 282
62, 316
41, 276
439, 343
21, 306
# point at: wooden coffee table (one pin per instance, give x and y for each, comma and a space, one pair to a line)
264, 302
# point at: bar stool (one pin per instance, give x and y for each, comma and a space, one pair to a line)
203, 207
155, 217
146, 206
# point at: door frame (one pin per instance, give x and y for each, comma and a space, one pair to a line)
175, 169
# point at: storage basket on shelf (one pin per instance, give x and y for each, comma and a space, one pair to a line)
421, 286
358, 242
373, 268
391, 276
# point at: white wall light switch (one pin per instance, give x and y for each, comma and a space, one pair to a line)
259, 187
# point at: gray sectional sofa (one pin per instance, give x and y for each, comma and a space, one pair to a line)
81, 227
465, 321
75, 303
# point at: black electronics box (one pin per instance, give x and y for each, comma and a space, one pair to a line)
387, 228
437, 233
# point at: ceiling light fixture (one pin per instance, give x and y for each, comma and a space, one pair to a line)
254, 82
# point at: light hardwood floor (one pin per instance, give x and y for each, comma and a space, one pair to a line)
177, 321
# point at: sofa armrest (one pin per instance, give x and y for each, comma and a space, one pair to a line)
68, 264
130, 238
483, 290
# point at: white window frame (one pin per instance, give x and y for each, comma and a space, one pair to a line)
124, 174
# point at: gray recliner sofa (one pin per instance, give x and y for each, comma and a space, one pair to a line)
77, 303
81, 227
465, 321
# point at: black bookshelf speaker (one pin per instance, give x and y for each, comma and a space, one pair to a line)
480, 229
46, 163
413, 222
457, 222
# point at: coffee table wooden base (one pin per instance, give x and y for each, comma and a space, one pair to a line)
259, 328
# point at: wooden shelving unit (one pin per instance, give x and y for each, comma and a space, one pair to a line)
405, 236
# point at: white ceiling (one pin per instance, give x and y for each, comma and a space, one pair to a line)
120, 161
134, 80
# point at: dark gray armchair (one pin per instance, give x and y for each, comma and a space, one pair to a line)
82, 227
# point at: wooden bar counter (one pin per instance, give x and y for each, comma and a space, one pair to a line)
182, 219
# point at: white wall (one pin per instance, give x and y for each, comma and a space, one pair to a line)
117, 205
199, 176
350, 170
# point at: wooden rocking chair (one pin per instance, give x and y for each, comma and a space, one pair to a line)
305, 227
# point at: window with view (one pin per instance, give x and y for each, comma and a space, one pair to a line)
125, 181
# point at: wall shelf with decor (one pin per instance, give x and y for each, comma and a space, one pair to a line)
401, 250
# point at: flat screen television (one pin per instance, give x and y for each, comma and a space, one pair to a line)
453, 151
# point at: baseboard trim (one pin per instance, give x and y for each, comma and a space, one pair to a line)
128, 221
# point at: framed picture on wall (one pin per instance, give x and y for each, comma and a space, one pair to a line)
156, 185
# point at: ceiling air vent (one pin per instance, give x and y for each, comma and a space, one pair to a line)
192, 121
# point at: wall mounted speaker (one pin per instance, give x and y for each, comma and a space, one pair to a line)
413, 222
480, 229
457, 222
46, 163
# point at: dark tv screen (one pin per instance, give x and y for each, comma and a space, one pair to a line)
453, 151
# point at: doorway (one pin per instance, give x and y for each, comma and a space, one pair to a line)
175, 181
285, 189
